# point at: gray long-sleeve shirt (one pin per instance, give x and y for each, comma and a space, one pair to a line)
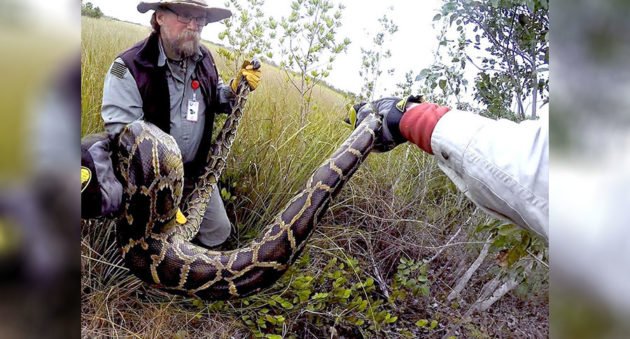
122, 102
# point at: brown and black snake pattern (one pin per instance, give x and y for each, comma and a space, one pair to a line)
158, 250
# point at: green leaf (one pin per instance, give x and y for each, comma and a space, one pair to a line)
303, 295
422, 323
270, 319
261, 323
423, 74
434, 324
286, 305
443, 84
508, 230
514, 255
320, 296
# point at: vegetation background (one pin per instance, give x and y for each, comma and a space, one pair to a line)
401, 253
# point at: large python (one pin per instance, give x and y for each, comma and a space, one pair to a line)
157, 248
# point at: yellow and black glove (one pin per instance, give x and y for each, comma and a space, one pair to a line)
251, 72
391, 109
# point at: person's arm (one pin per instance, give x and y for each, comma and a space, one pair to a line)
122, 102
501, 165
227, 98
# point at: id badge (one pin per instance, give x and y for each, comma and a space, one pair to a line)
193, 110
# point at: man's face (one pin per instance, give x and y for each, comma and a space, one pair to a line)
178, 37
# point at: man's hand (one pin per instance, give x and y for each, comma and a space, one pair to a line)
251, 72
391, 109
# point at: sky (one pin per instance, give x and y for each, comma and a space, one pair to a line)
412, 46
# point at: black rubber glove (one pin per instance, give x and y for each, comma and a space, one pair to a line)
391, 109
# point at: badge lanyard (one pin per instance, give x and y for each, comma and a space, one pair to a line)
193, 105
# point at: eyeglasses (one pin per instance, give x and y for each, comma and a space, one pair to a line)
186, 18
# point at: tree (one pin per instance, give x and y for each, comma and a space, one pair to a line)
372, 57
405, 88
447, 72
245, 32
88, 9
506, 42
309, 46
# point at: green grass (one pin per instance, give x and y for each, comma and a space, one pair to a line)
397, 206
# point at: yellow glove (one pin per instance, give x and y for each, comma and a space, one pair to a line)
251, 72
180, 217
86, 176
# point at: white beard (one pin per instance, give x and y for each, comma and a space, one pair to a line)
183, 46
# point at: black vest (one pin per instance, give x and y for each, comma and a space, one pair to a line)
141, 60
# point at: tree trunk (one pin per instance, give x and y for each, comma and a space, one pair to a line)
463, 281
535, 95
483, 303
489, 288
534, 82
521, 110
303, 101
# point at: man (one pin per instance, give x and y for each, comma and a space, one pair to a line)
502, 166
170, 80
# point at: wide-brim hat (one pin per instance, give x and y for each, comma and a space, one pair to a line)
212, 13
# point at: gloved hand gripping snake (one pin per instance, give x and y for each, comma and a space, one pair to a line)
158, 250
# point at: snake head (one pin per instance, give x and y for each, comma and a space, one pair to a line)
255, 63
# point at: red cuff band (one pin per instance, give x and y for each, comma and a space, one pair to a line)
418, 123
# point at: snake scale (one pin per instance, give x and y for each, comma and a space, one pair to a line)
157, 249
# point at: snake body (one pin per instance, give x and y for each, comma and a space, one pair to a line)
157, 249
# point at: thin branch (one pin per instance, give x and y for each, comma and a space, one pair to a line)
480, 68
497, 43
471, 270
538, 259
445, 246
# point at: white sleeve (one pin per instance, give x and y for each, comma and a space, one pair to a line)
122, 102
502, 166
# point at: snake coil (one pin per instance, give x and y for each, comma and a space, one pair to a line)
158, 250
